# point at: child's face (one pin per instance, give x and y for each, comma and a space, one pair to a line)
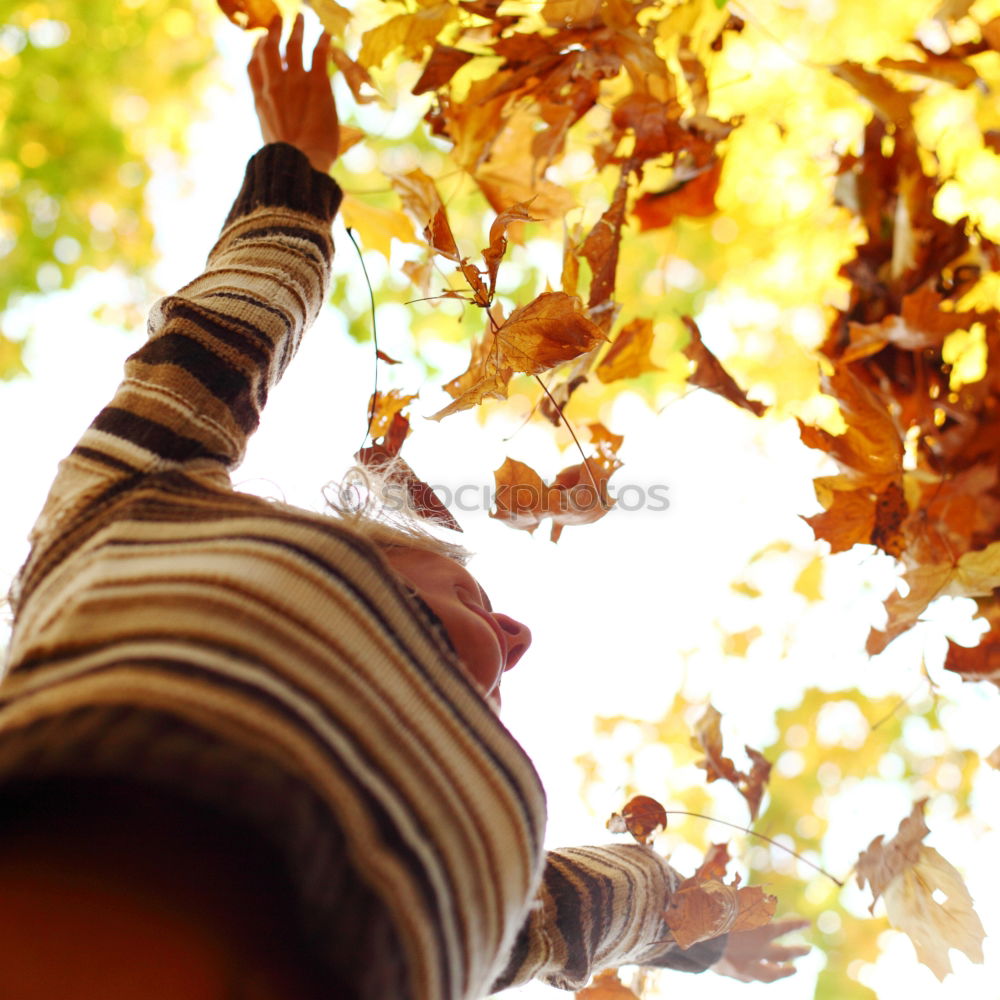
487, 643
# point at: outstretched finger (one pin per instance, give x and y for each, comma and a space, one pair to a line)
321, 55
270, 52
293, 51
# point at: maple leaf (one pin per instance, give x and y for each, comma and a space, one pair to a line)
411, 32
423, 204
708, 737
493, 254
704, 907
377, 227
579, 493
249, 14
628, 356
643, 817
693, 196
443, 64
601, 248
332, 16
709, 373
355, 75
384, 407
908, 874
550, 329
521, 497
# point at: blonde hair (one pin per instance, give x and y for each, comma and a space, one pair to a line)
376, 505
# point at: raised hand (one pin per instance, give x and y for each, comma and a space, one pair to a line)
755, 956
295, 105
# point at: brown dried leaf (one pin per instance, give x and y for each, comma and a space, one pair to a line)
642, 816
548, 330
579, 494
384, 406
423, 204
909, 875
699, 912
628, 356
355, 75
521, 496
693, 197
890, 104
709, 373
493, 254
708, 737
444, 62
249, 14
601, 247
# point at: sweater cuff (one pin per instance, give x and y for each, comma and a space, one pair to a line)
281, 174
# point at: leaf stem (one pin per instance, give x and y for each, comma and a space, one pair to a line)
763, 836
572, 433
371, 297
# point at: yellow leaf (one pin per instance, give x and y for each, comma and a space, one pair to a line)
409, 32
810, 581
377, 227
332, 16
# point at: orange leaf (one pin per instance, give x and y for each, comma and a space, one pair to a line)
444, 62
550, 329
384, 407
628, 356
601, 251
493, 254
694, 197
382, 356
521, 496
573, 498
708, 737
644, 818
355, 75
423, 204
698, 912
709, 373
249, 14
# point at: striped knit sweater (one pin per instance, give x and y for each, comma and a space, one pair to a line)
171, 630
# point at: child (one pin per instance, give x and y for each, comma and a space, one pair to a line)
249, 751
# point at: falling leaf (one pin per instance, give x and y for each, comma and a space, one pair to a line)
355, 75
423, 204
709, 374
249, 14
601, 248
443, 64
493, 254
708, 738
521, 496
382, 356
548, 330
994, 759
410, 32
892, 105
332, 16
700, 911
628, 356
694, 197
908, 875
384, 406
579, 493
642, 816
377, 227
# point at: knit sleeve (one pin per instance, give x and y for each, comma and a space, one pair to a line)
193, 393
600, 907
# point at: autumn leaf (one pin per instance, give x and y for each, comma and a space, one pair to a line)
423, 204
628, 356
601, 250
332, 16
443, 64
377, 227
493, 254
550, 329
355, 75
708, 737
521, 497
383, 407
909, 876
249, 14
410, 32
642, 816
579, 493
382, 356
709, 374
694, 197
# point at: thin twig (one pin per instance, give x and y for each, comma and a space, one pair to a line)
572, 433
763, 836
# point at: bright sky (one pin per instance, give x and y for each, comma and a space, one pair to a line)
623, 612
